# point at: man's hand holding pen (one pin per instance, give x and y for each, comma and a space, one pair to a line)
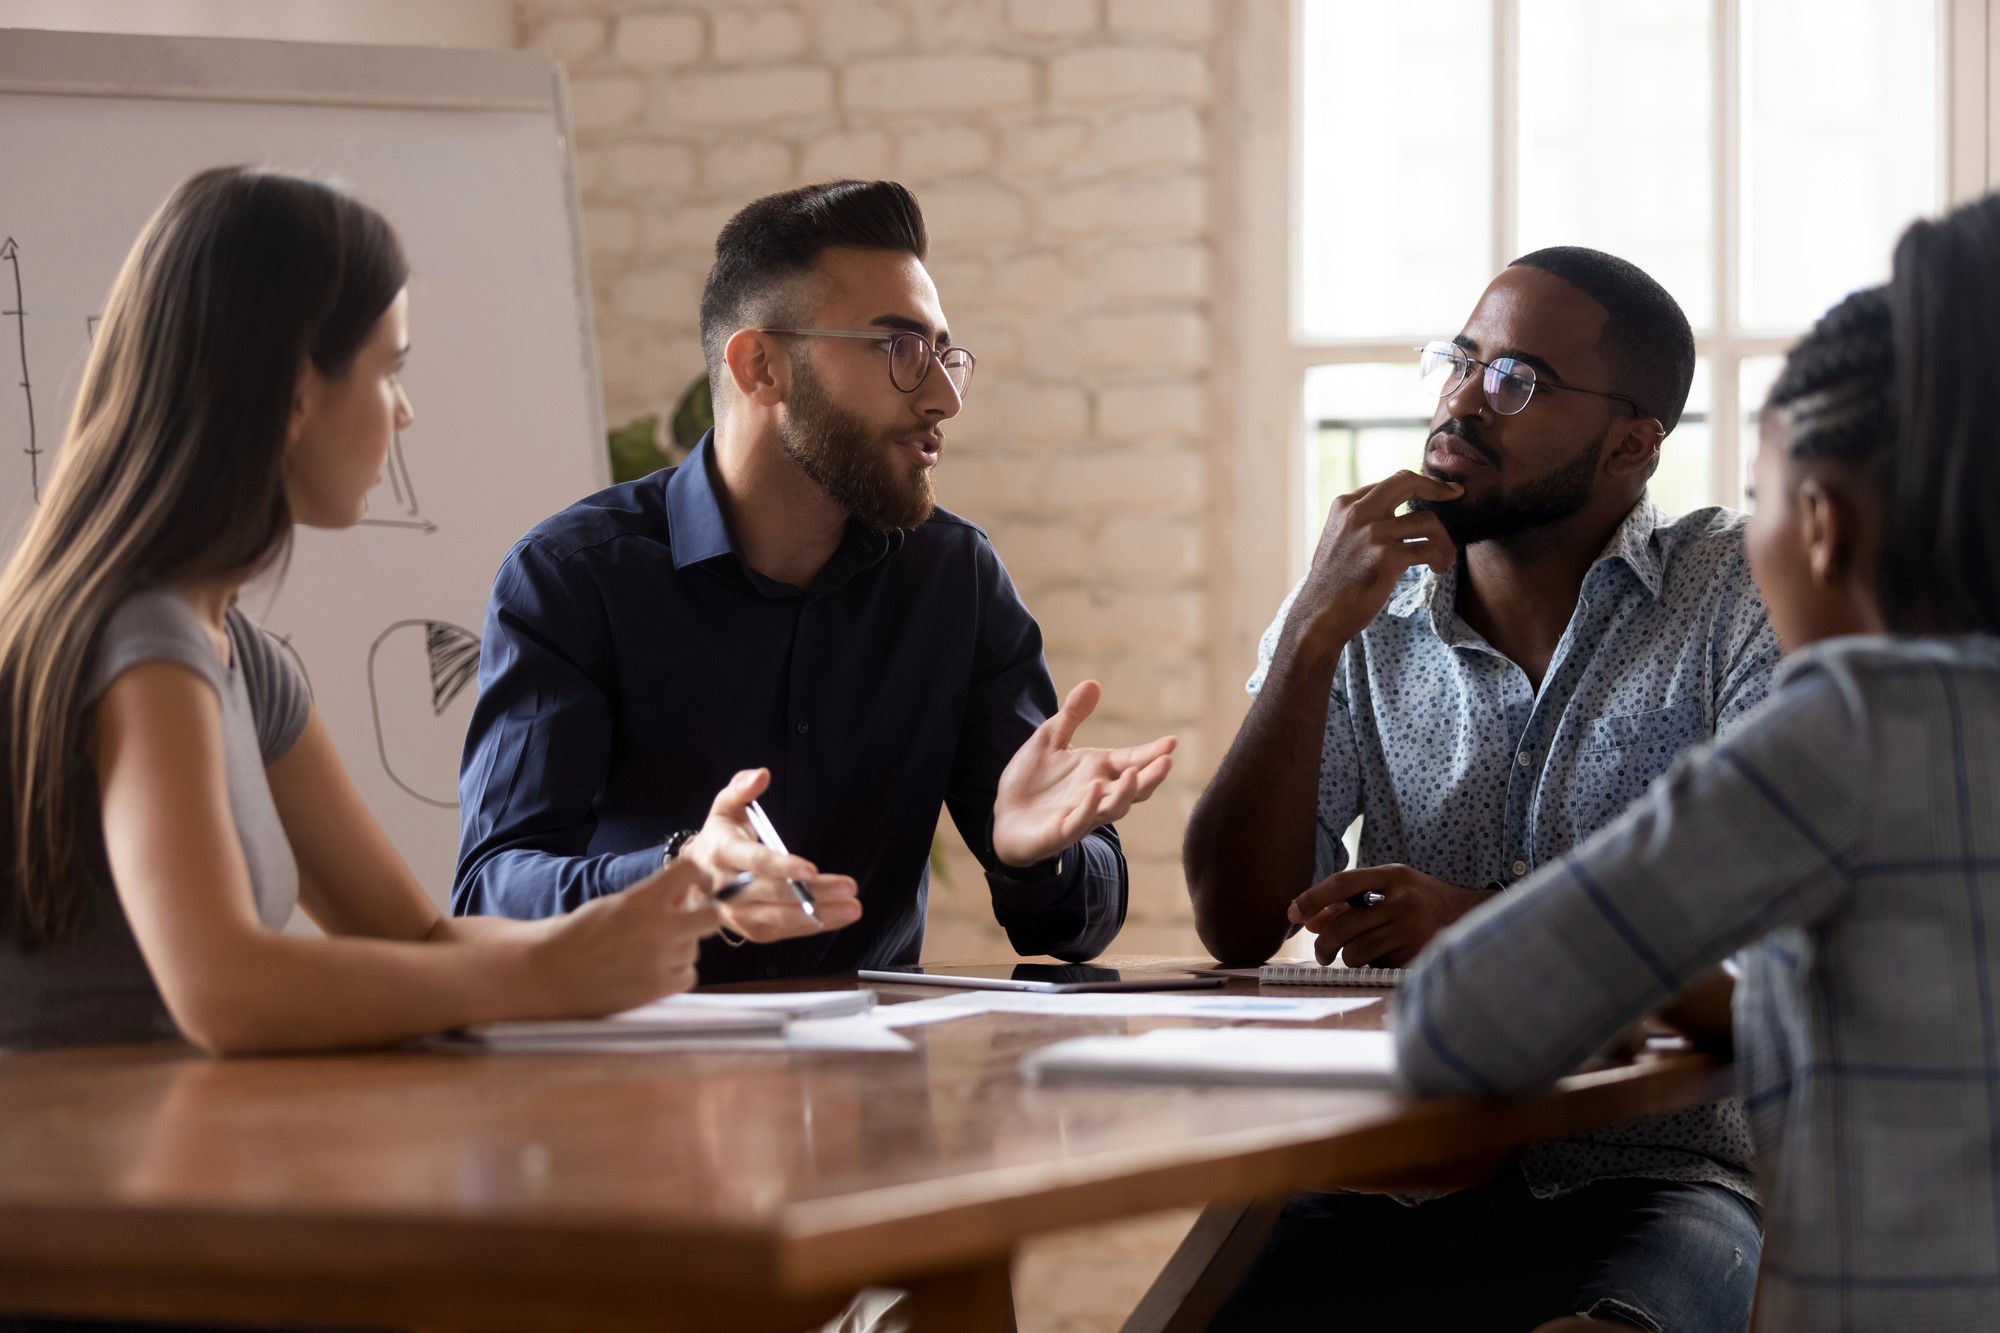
765, 906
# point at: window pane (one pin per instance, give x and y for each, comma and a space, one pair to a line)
1758, 375
1841, 110
1362, 423
1396, 206
1682, 481
1616, 149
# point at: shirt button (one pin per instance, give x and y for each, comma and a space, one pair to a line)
1524, 759
1520, 868
804, 727
770, 969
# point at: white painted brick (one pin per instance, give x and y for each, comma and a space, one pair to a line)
754, 96
1165, 204
943, 151
591, 177
756, 162
659, 40
1105, 478
1152, 412
756, 35
656, 290
1039, 282
1174, 136
861, 154
1052, 18
1163, 18
1145, 689
961, 280
611, 231
648, 166
1033, 413
919, 85
1155, 341
1042, 551
1176, 270
600, 101
1129, 618
849, 28
690, 228
956, 214
1124, 73
570, 37
959, 25
979, 483
1045, 145
1152, 549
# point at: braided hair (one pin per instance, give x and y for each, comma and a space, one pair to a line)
1836, 394
1894, 379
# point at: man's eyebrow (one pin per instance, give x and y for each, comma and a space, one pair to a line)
1466, 341
1540, 364
941, 338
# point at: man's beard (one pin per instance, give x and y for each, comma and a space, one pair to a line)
1512, 512
835, 449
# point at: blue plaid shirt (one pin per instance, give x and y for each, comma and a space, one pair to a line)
1847, 839
1457, 767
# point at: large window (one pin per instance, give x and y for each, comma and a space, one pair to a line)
1758, 157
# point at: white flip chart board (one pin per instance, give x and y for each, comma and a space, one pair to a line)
467, 153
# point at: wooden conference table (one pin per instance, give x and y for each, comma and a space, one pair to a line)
692, 1190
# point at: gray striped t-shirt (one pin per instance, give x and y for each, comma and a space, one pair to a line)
94, 987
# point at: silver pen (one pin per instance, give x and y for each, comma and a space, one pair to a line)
767, 833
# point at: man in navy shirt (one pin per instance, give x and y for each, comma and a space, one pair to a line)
789, 601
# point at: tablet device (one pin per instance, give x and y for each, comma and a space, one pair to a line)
1047, 978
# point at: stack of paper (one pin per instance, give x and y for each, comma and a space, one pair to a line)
1312, 1058
751, 1020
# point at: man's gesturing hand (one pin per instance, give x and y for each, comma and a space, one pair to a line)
1365, 547
768, 909
1414, 908
1051, 795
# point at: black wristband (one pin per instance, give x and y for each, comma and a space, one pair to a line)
675, 844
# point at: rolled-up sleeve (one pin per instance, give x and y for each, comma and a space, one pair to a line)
1734, 841
538, 749
1076, 912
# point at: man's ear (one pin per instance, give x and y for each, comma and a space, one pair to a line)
1826, 530
760, 372
1634, 446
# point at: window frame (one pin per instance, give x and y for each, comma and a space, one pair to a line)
1271, 355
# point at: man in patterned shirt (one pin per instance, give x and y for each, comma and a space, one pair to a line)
1485, 681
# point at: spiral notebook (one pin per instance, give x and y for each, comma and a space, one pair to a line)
1312, 974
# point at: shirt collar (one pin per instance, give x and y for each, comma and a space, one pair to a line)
696, 530
1631, 542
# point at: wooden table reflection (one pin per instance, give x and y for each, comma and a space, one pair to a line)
688, 1190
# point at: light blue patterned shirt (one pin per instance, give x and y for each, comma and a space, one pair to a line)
1847, 840
1460, 769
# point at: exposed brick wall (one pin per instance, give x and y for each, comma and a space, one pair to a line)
1062, 152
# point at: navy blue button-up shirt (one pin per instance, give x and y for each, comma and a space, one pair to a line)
632, 662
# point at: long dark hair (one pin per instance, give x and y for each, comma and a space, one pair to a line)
1894, 378
172, 469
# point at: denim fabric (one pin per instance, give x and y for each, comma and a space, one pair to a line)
1668, 1256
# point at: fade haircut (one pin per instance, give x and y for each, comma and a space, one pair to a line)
1647, 343
764, 252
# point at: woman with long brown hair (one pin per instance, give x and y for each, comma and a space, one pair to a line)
170, 791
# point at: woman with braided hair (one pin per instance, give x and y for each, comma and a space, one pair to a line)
1843, 843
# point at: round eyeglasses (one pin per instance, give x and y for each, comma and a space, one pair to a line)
1509, 384
910, 355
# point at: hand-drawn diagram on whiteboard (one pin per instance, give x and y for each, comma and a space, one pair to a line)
10, 253
417, 671
403, 491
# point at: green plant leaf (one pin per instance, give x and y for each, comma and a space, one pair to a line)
634, 447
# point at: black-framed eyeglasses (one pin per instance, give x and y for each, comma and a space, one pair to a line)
1509, 384
910, 355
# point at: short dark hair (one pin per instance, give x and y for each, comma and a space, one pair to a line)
1647, 342
763, 251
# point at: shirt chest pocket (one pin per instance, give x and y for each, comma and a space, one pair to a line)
1657, 735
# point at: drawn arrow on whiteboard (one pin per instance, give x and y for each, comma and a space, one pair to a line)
11, 252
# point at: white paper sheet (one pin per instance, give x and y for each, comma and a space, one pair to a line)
794, 1004
1317, 1057
1257, 1008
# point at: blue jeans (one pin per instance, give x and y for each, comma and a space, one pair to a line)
1653, 1254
